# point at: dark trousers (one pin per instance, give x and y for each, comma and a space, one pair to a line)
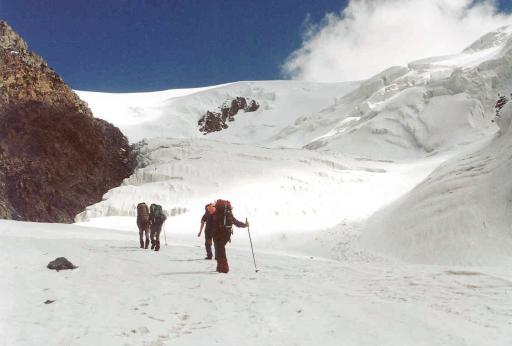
208, 240
155, 237
143, 229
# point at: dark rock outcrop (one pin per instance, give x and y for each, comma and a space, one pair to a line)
217, 121
55, 157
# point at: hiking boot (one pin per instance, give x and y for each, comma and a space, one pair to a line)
153, 246
208, 258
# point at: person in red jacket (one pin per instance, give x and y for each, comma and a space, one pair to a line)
223, 220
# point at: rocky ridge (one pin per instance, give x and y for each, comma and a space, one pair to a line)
55, 157
26, 77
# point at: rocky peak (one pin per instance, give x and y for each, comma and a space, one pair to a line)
9, 39
25, 76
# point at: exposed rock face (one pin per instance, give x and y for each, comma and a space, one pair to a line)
217, 121
55, 158
25, 76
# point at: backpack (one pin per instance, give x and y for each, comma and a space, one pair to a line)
224, 218
142, 212
157, 214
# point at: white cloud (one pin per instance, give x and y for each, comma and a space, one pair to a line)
371, 35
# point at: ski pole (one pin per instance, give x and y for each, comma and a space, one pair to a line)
165, 237
252, 250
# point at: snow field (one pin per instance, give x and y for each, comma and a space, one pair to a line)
121, 294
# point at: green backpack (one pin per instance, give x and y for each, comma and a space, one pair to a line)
157, 214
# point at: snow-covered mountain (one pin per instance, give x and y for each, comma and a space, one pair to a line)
461, 212
432, 105
313, 155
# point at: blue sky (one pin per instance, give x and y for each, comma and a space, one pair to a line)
129, 45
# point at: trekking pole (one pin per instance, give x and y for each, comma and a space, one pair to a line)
252, 250
165, 237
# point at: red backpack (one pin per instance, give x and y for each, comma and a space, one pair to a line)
224, 218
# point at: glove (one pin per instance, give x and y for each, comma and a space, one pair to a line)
246, 223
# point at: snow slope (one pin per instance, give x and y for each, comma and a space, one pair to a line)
460, 214
284, 191
122, 295
175, 113
419, 110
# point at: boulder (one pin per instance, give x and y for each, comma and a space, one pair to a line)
61, 263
